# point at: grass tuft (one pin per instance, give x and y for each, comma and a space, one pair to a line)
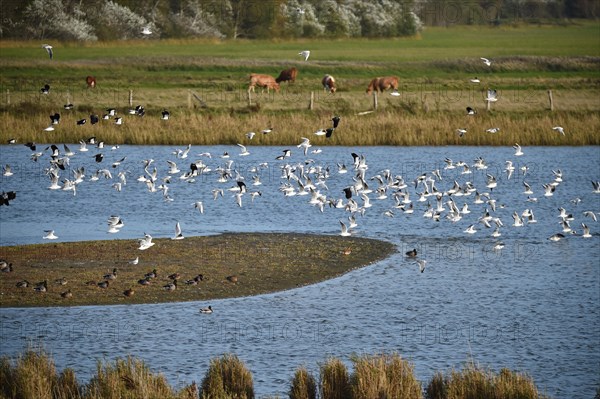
227, 378
475, 383
384, 376
304, 385
335, 381
33, 375
128, 378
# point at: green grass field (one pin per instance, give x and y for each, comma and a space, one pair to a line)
434, 71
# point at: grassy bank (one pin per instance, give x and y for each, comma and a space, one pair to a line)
203, 84
399, 123
34, 375
255, 264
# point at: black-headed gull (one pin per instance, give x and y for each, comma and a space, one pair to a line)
48, 48
305, 54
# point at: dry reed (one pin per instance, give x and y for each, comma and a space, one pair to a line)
303, 386
474, 382
335, 381
418, 117
32, 375
227, 378
384, 376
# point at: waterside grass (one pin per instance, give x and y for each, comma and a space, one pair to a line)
261, 263
33, 375
397, 123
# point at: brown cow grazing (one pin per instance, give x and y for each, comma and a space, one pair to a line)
260, 80
91, 81
382, 84
329, 84
287, 75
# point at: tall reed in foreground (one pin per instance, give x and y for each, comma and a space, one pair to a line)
303, 384
34, 375
474, 383
335, 381
227, 377
127, 378
384, 376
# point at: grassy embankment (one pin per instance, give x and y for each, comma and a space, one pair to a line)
261, 263
434, 72
34, 375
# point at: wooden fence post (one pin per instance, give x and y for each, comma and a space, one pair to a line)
131, 98
311, 104
551, 99
374, 99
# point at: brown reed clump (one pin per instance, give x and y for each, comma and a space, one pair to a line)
416, 118
227, 377
33, 375
384, 376
335, 381
128, 378
304, 385
474, 383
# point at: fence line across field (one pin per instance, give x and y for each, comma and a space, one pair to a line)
204, 98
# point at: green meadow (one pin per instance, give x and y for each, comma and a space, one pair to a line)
203, 84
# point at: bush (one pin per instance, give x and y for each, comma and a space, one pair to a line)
474, 383
384, 376
34, 376
335, 382
304, 385
227, 377
127, 378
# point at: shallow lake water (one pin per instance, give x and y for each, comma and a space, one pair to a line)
531, 306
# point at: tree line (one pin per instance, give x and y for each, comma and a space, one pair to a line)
262, 19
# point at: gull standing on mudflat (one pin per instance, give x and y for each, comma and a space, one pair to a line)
345, 232
178, 233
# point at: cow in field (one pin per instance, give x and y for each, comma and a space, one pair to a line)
287, 75
383, 83
260, 80
328, 84
91, 81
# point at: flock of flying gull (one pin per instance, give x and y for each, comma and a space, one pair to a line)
436, 198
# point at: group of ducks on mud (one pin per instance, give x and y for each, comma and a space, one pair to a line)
106, 280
